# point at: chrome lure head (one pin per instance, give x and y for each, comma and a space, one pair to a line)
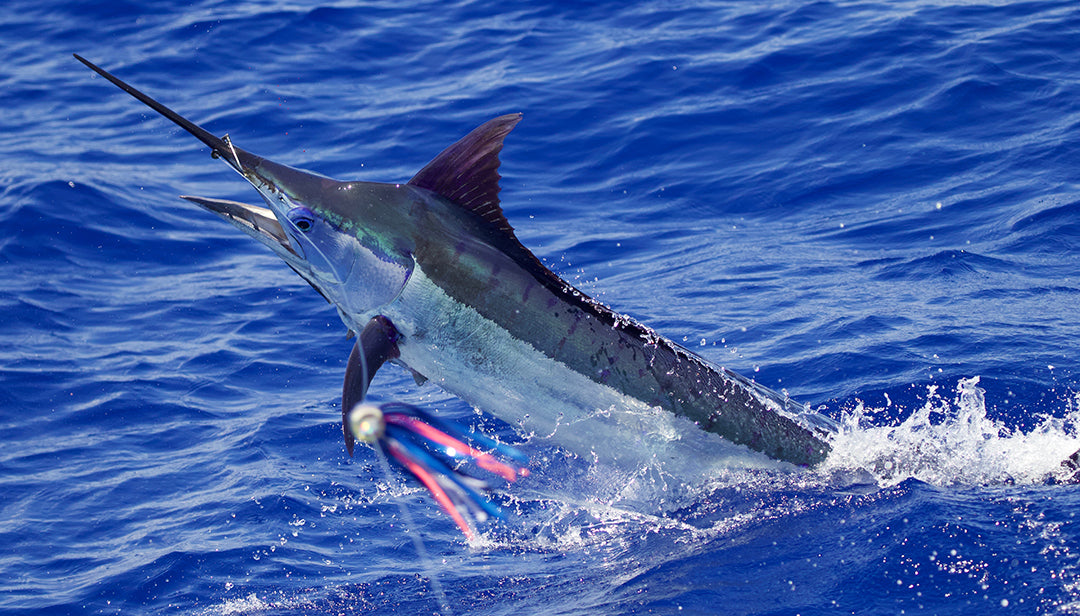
318, 225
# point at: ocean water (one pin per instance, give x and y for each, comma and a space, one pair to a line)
874, 206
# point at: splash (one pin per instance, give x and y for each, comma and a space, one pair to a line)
954, 442
253, 604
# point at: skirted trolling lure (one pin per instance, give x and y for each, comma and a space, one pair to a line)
416, 441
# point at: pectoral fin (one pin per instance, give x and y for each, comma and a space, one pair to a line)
376, 345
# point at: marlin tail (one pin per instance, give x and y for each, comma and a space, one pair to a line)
432, 276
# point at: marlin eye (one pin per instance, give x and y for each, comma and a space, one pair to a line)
302, 217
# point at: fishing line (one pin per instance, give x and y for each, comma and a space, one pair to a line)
410, 525
418, 541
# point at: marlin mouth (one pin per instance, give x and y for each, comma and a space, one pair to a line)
257, 221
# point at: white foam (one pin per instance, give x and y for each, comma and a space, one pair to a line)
250, 604
954, 442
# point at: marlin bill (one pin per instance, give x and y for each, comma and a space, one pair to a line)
431, 277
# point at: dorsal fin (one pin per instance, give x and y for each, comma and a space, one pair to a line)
467, 172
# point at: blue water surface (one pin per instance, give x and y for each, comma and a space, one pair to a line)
874, 206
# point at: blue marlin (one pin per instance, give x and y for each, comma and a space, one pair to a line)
432, 276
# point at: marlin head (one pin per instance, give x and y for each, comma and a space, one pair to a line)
339, 236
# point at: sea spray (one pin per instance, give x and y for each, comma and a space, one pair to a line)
954, 442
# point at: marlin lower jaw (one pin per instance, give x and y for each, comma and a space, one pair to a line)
258, 222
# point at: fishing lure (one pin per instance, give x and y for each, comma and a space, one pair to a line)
417, 441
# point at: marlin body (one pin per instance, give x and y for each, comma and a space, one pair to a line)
432, 276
